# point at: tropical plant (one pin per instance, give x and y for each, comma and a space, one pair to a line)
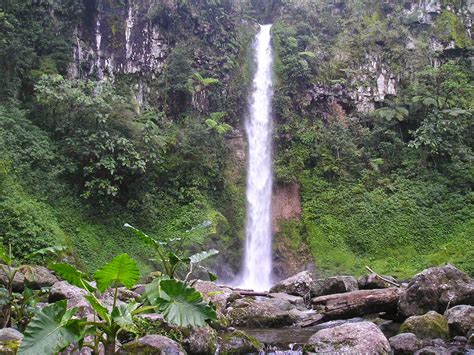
169, 260
17, 307
54, 328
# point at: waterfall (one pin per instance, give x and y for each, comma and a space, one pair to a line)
257, 268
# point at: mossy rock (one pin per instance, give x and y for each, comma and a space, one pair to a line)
238, 342
427, 326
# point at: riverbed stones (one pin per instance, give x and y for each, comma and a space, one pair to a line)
199, 340
216, 294
238, 342
154, 344
297, 285
405, 343
460, 319
37, 276
427, 326
333, 285
350, 338
257, 313
294, 300
436, 288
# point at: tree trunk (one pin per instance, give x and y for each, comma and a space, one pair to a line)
357, 303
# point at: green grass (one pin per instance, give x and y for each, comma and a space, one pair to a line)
399, 232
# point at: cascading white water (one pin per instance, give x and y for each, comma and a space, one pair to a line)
257, 268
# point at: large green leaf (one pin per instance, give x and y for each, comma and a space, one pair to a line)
122, 270
143, 236
197, 258
183, 305
101, 310
51, 330
123, 316
47, 252
72, 275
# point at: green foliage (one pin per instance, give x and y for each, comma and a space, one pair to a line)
449, 27
122, 270
52, 330
181, 304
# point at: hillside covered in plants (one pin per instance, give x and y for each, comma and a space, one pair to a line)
115, 111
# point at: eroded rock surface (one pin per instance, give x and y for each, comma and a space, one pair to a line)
405, 343
460, 319
427, 326
297, 285
350, 338
154, 344
332, 285
434, 289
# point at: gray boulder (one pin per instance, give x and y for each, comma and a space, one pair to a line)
199, 340
350, 338
37, 277
297, 285
405, 343
460, 319
18, 284
10, 334
238, 342
259, 314
435, 288
216, 294
10, 340
332, 285
371, 281
297, 301
63, 290
154, 344
431, 325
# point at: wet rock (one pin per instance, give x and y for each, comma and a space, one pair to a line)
297, 285
238, 342
336, 323
460, 319
371, 281
294, 300
360, 337
126, 295
405, 343
199, 340
37, 277
427, 326
253, 313
10, 340
153, 344
18, 284
434, 289
333, 285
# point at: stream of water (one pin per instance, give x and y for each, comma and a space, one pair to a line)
257, 265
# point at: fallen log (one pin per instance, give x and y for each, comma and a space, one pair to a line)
357, 303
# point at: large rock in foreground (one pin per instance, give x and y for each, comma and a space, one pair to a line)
9, 340
431, 325
460, 319
350, 338
259, 314
297, 285
154, 344
435, 288
333, 285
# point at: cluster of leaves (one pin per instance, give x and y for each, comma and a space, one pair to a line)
56, 327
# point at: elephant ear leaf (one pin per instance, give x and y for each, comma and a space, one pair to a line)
72, 275
122, 270
183, 305
51, 330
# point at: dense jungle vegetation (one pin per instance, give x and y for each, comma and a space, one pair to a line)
386, 184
